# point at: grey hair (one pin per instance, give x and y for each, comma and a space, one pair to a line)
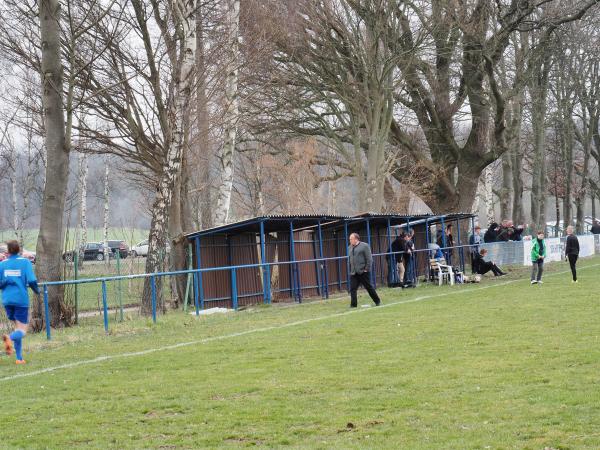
355, 235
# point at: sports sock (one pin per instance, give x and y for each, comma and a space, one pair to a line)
17, 337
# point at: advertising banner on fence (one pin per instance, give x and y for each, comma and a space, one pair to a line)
587, 245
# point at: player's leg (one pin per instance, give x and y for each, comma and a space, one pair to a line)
21, 320
8, 344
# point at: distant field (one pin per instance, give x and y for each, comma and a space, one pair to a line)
131, 235
500, 365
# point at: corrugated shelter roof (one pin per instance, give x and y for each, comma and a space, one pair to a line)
274, 223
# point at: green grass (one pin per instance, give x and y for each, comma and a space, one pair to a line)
508, 366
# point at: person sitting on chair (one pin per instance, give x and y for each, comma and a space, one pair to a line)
482, 267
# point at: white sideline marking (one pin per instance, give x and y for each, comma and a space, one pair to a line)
99, 359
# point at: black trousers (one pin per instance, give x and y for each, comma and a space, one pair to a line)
355, 281
572, 263
487, 266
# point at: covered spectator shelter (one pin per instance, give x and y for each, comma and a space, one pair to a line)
279, 258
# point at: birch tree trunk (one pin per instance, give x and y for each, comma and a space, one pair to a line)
50, 239
231, 114
505, 191
184, 16
488, 178
106, 211
83, 174
205, 152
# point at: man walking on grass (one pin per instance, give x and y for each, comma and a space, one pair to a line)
361, 260
572, 251
16, 274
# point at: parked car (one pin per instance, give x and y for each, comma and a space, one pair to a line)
119, 246
24, 253
91, 251
140, 249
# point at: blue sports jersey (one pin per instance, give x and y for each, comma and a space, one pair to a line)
16, 273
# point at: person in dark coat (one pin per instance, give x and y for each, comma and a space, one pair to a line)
446, 243
361, 260
491, 235
409, 248
595, 227
572, 251
398, 247
482, 266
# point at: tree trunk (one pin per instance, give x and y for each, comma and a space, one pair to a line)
107, 255
489, 196
204, 149
231, 114
505, 191
83, 173
49, 246
169, 188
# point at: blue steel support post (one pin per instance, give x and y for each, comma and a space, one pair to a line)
346, 244
196, 302
47, 313
429, 255
317, 269
338, 260
461, 254
323, 264
199, 266
372, 268
391, 257
411, 261
234, 293
295, 274
153, 286
446, 252
265, 267
105, 306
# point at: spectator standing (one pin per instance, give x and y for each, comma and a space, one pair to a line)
409, 248
538, 253
491, 235
474, 242
361, 260
572, 251
398, 248
595, 227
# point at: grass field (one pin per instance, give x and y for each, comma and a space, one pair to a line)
492, 366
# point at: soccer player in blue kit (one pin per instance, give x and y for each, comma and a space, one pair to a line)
16, 274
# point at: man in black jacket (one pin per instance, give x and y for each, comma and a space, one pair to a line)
491, 235
398, 247
572, 251
595, 227
361, 260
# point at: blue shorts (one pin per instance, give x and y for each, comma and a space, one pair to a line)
19, 313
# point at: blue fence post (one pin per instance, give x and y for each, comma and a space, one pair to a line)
105, 306
317, 269
153, 286
234, 293
199, 266
47, 313
346, 244
196, 302
265, 267
446, 252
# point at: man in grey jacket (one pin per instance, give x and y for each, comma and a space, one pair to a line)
360, 258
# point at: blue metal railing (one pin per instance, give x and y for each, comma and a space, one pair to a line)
295, 287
